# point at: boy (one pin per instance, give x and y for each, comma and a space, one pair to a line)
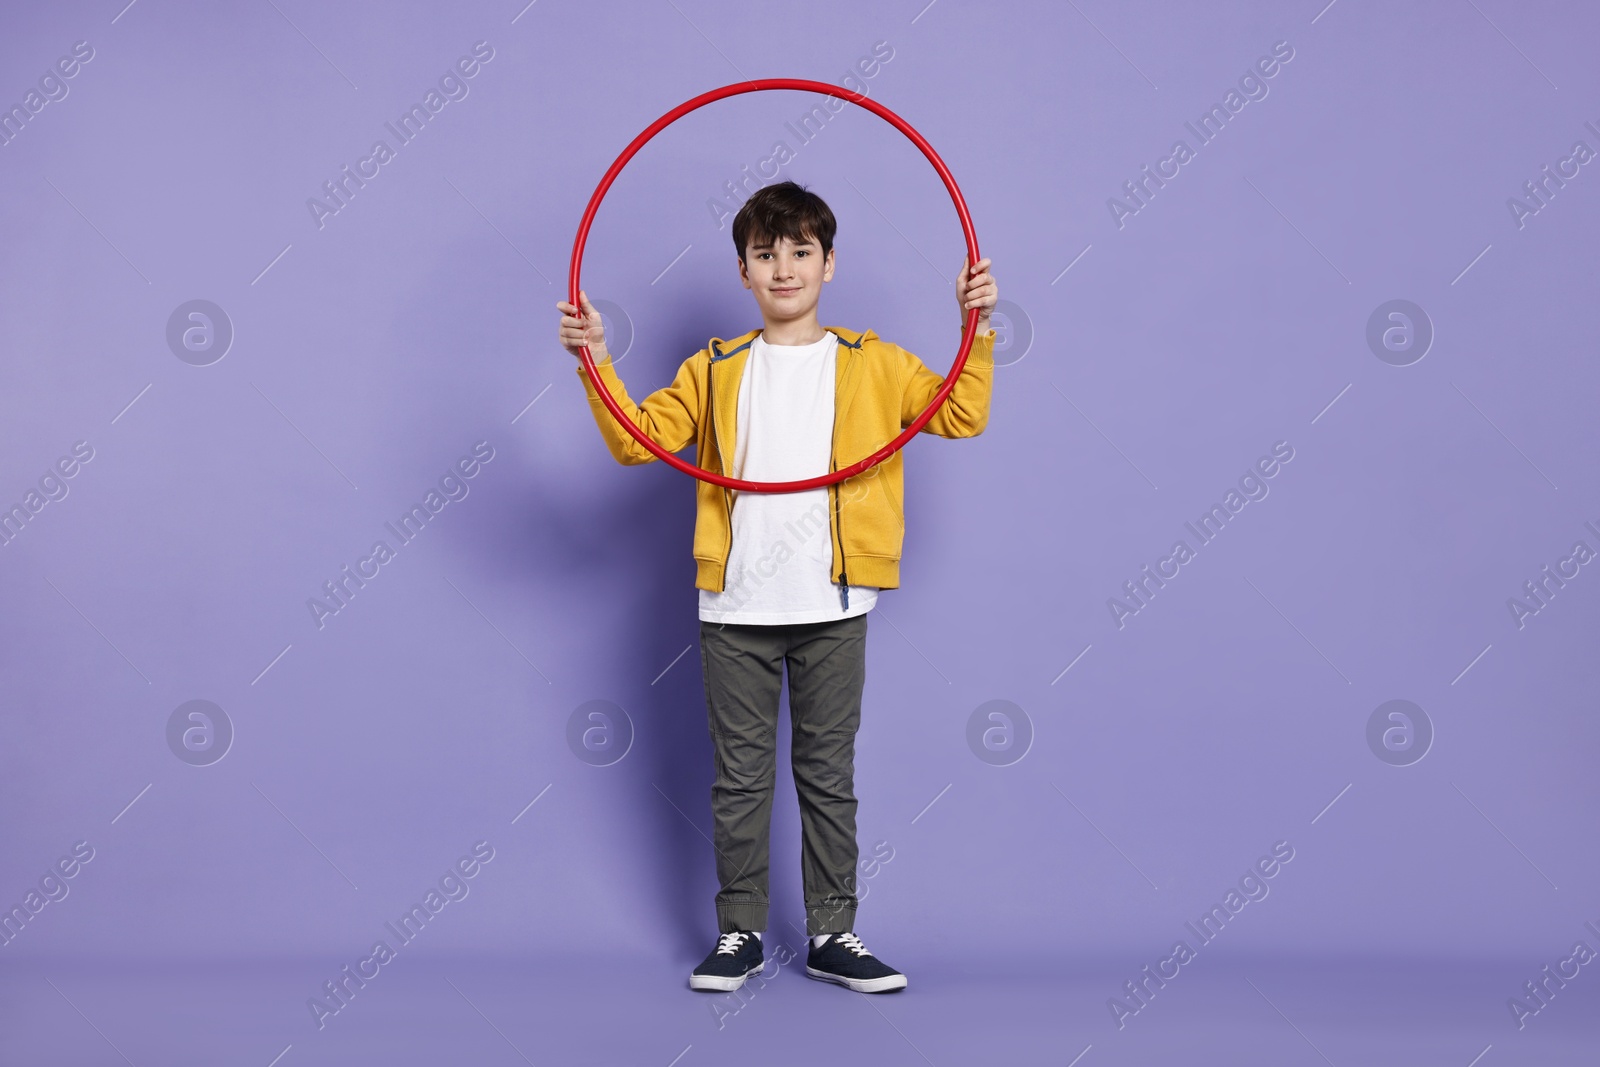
781, 579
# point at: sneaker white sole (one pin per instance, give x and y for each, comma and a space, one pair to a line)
860, 985
723, 985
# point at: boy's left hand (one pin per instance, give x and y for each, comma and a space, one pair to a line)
976, 288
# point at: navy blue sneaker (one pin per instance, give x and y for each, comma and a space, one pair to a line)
736, 957
845, 960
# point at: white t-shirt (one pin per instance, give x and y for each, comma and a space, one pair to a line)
782, 553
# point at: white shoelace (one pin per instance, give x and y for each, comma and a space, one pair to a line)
853, 943
728, 944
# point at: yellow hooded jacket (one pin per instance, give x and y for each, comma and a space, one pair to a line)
879, 388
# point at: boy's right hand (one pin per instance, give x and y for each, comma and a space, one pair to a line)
577, 331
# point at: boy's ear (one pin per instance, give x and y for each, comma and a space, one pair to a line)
744, 273
827, 267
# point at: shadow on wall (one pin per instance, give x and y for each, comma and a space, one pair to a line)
649, 531
639, 538
651, 527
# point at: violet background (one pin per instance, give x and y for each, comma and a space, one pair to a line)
1166, 356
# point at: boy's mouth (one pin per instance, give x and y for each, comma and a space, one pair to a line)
787, 292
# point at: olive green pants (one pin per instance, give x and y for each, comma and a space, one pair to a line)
743, 665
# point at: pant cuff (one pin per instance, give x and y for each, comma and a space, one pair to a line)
830, 919
731, 917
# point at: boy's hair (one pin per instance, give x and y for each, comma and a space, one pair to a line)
784, 210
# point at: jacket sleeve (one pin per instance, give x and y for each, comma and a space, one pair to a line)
965, 412
668, 416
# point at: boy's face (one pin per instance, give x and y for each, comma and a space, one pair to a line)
786, 277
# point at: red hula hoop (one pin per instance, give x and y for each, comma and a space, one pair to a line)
761, 84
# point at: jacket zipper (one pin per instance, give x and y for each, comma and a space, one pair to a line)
844, 579
722, 468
